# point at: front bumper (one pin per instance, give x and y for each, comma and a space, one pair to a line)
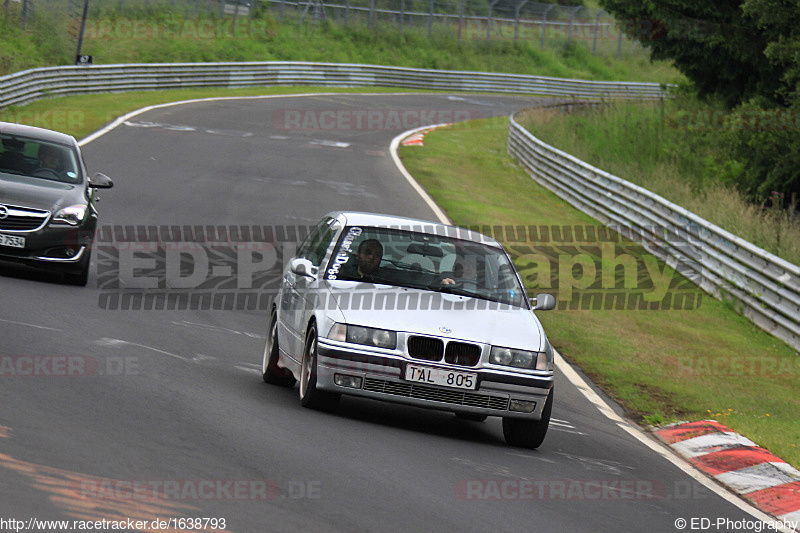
53, 248
382, 379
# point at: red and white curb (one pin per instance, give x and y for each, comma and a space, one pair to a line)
415, 139
764, 479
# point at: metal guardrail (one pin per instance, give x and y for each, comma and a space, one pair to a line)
27, 86
764, 287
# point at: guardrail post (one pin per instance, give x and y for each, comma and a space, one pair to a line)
371, 14
569, 28
430, 19
23, 16
516, 18
489, 20
544, 23
460, 17
596, 31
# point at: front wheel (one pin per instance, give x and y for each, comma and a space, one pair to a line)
528, 433
270, 371
310, 396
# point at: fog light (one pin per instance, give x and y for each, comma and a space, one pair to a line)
343, 380
69, 252
521, 406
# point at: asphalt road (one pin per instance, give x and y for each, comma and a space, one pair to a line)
149, 414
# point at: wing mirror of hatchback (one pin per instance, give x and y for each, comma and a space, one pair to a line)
543, 302
302, 267
100, 181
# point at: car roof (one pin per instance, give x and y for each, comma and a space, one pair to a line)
355, 218
9, 128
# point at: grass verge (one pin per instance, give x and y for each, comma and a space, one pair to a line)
677, 150
163, 36
661, 365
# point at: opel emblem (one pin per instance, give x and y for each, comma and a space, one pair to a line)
445, 329
3, 212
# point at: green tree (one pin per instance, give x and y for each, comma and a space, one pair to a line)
746, 54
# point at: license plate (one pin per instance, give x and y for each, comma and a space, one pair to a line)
12, 241
439, 376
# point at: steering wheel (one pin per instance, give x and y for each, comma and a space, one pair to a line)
42, 173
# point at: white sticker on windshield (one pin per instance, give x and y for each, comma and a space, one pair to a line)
344, 252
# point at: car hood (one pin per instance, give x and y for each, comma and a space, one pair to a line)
39, 193
438, 314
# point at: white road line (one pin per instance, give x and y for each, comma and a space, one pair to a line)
29, 325
249, 368
416, 186
121, 120
220, 329
197, 358
332, 144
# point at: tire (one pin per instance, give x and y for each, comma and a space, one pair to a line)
528, 433
270, 371
310, 396
81, 277
472, 417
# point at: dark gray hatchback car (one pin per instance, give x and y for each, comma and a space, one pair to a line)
47, 201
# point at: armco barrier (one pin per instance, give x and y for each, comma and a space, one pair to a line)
765, 287
27, 86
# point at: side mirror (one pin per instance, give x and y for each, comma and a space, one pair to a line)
100, 181
302, 267
543, 302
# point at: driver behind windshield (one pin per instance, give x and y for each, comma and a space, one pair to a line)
465, 272
367, 261
52, 163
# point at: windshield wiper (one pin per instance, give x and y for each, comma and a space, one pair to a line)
455, 289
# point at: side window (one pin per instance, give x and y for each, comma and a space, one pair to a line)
314, 247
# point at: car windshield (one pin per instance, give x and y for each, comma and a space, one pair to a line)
26, 156
425, 261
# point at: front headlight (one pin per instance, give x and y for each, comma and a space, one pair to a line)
520, 358
72, 215
381, 338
